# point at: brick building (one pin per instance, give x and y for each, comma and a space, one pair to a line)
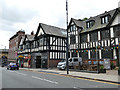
13, 45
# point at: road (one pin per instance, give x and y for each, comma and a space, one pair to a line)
30, 79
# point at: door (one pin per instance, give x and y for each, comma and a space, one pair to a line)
38, 61
44, 63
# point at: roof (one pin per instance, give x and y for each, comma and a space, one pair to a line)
30, 37
17, 34
97, 19
52, 30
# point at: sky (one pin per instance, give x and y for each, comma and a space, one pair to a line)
27, 14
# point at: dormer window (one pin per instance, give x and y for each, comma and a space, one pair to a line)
105, 19
89, 24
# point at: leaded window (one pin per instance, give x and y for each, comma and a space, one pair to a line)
72, 39
74, 54
105, 34
105, 19
89, 24
93, 36
72, 28
116, 31
107, 54
93, 55
83, 38
84, 55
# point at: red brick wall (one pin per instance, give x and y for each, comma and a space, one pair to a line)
53, 63
13, 45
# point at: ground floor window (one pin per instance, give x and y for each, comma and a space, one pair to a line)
107, 54
74, 54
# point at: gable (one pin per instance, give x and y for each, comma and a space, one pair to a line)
21, 40
41, 32
116, 21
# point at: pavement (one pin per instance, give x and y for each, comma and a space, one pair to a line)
113, 78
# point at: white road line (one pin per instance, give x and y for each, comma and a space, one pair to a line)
11, 71
21, 74
45, 80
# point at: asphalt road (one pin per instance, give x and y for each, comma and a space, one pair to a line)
30, 79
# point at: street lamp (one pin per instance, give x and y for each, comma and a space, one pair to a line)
67, 64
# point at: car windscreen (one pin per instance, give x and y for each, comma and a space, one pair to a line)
12, 63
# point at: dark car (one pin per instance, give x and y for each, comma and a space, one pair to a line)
2, 64
13, 66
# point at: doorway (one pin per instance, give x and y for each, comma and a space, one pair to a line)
38, 61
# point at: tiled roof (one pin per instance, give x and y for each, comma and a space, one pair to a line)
30, 37
97, 19
52, 30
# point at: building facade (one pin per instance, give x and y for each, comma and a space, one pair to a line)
13, 45
47, 47
96, 38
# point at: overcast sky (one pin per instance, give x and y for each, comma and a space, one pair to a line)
27, 14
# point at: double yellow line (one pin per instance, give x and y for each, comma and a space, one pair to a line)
94, 80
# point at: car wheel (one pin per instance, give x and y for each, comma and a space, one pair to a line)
17, 68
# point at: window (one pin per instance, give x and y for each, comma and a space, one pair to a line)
116, 31
83, 38
44, 41
72, 39
72, 28
74, 54
93, 54
107, 54
93, 36
75, 60
84, 55
105, 34
105, 19
89, 24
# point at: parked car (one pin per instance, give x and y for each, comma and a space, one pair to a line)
13, 66
2, 64
74, 61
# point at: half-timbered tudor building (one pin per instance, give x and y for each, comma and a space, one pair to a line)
46, 48
96, 38
24, 54
49, 46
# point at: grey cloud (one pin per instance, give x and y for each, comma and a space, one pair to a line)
15, 14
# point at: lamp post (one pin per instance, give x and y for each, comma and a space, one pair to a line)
67, 64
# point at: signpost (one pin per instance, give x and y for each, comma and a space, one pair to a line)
119, 56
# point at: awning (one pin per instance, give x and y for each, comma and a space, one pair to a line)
20, 56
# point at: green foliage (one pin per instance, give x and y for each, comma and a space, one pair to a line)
102, 67
84, 18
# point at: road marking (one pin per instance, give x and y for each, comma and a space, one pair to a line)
45, 80
79, 78
11, 71
21, 74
